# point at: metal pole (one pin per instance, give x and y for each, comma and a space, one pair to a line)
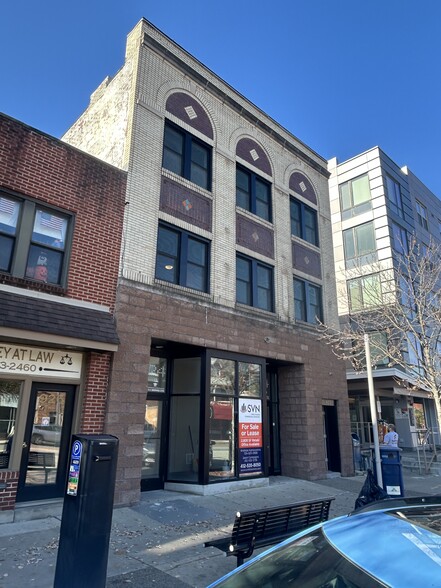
373, 410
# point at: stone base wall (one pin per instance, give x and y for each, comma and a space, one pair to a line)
313, 377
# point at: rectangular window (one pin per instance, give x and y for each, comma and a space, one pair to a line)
394, 196
307, 301
235, 423
364, 292
355, 196
360, 245
9, 399
304, 222
182, 258
253, 193
400, 243
33, 240
254, 283
186, 156
422, 215
378, 348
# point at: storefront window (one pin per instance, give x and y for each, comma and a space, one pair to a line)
9, 396
250, 380
236, 444
183, 462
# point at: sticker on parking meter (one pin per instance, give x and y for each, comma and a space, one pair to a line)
74, 468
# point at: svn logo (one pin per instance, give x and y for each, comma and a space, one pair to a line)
253, 408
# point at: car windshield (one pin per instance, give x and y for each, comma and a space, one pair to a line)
308, 562
428, 517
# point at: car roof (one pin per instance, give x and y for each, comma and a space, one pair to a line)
394, 544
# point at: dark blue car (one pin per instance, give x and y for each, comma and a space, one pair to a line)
395, 542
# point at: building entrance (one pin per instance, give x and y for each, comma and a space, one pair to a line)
46, 442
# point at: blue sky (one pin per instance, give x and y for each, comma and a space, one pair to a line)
341, 75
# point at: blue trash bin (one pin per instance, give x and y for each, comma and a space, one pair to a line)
391, 470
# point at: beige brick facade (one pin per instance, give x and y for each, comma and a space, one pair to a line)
124, 125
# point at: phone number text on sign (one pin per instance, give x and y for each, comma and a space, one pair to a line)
18, 367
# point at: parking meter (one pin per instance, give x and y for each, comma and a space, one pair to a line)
87, 512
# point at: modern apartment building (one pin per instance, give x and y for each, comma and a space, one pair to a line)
226, 262
58, 277
376, 206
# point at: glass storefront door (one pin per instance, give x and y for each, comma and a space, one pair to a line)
46, 442
153, 450
236, 419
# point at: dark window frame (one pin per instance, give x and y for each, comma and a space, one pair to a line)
351, 237
188, 140
253, 180
302, 231
308, 314
394, 196
354, 209
24, 240
253, 298
182, 257
400, 238
423, 218
363, 292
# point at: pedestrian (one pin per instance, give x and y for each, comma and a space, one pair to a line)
391, 437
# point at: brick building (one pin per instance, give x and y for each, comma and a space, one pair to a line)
226, 262
61, 217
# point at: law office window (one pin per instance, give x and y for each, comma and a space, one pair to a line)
33, 240
254, 283
360, 245
182, 258
394, 196
307, 301
355, 196
422, 215
9, 398
186, 156
253, 193
304, 222
364, 292
400, 241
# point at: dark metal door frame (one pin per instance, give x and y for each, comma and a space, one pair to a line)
47, 490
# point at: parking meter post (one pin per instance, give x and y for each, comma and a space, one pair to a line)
87, 512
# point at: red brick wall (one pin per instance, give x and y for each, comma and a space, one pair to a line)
42, 167
95, 393
7, 497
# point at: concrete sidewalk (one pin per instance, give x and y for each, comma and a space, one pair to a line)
159, 542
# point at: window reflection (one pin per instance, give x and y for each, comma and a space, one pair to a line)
249, 379
9, 396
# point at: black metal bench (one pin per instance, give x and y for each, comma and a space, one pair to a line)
261, 528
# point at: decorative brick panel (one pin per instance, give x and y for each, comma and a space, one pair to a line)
300, 184
252, 153
306, 260
183, 203
254, 236
187, 109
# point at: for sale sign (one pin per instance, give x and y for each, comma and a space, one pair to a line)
250, 436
